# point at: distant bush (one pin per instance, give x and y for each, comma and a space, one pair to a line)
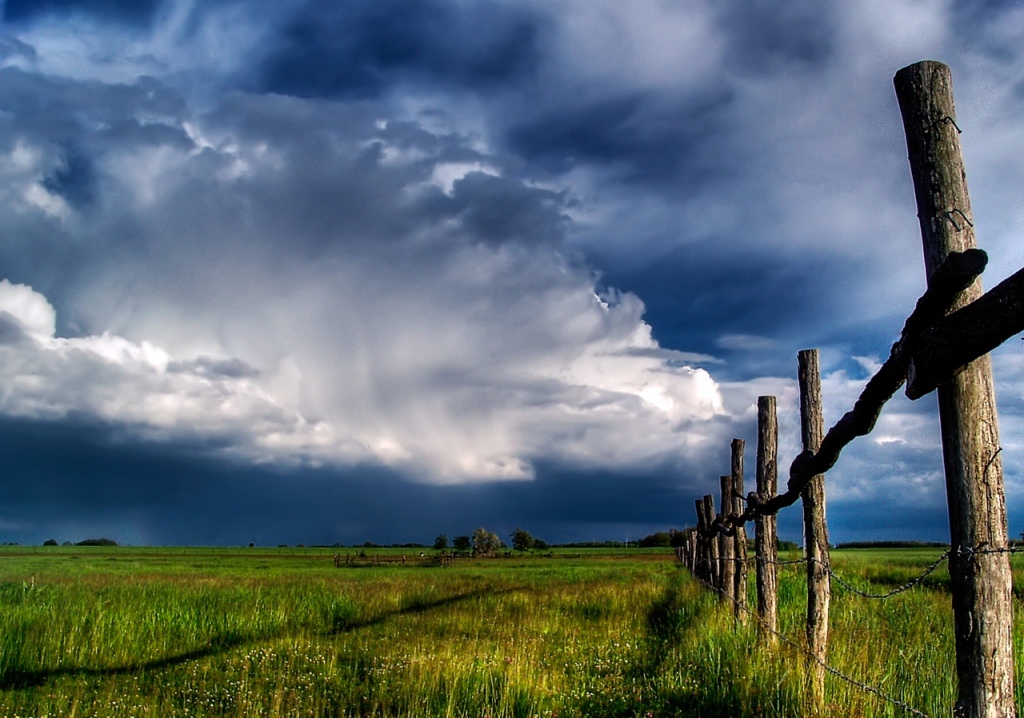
672, 537
893, 544
97, 542
50, 542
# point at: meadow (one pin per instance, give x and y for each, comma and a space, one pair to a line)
283, 632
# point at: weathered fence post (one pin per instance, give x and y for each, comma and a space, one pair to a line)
740, 576
702, 562
713, 563
766, 546
981, 583
727, 546
819, 592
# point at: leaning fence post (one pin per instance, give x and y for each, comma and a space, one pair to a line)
740, 577
727, 546
981, 583
819, 593
766, 544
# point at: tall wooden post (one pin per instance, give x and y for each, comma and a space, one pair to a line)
819, 592
702, 560
714, 564
740, 542
727, 546
981, 583
766, 545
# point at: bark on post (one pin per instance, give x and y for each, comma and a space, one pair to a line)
819, 593
766, 544
981, 583
727, 546
714, 565
740, 576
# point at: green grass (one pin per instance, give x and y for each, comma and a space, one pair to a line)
242, 632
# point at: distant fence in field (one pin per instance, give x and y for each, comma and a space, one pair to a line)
944, 346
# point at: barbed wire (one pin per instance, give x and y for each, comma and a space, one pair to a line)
962, 552
866, 687
900, 589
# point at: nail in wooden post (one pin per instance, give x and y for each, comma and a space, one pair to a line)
740, 577
766, 545
727, 547
981, 584
819, 593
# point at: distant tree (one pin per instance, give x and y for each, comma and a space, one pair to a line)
67, 543
659, 538
97, 542
50, 542
462, 543
678, 538
441, 542
788, 545
485, 542
523, 541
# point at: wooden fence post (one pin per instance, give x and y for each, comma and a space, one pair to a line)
766, 546
727, 546
819, 592
714, 564
702, 560
740, 577
981, 583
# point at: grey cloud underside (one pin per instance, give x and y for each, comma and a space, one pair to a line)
132, 12
362, 49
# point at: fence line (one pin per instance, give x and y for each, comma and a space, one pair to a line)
866, 687
943, 346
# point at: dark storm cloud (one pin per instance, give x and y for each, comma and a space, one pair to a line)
362, 48
639, 137
132, 12
74, 478
499, 209
64, 111
74, 179
778, 35
699, 293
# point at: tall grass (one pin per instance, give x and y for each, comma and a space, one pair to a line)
159, 633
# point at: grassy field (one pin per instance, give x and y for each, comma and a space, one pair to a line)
245, 632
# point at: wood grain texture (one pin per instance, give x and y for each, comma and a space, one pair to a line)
766, 547
980, 582
816, 549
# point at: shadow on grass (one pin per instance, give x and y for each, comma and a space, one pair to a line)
673, 643
226, 642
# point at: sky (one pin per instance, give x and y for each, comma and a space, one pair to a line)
377, 270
